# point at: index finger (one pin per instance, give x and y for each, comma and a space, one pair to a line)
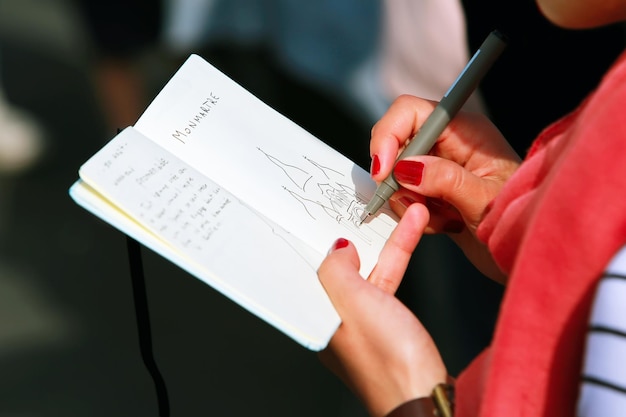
390, 134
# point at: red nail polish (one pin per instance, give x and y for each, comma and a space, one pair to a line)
409, 172
340, 243
375, 168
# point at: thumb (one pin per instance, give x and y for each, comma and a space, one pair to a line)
443, 179
339, 272
396, 254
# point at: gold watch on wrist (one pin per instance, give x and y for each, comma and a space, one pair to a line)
439, 404
443, 397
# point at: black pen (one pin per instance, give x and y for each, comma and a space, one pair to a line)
445, 111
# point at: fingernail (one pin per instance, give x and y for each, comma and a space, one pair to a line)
375, 168
406, 201
339, 243
409, 172
454, 226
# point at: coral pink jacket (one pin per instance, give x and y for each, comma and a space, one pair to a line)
555, 226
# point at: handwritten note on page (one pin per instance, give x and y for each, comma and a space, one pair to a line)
208, 229
275, 166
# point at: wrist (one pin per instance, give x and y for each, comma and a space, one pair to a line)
439, 403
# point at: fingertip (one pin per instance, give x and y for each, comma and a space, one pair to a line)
339, 267
375, 165
341, 253
418, 214
384, 151
409, 172
339, 244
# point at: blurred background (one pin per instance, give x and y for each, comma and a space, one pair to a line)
73, 72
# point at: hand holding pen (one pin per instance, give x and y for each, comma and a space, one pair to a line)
445, 111
457, 179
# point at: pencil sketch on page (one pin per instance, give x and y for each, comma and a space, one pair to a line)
322, 190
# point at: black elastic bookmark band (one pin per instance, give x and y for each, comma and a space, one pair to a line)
143, 324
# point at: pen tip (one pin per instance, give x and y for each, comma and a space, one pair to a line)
363, 217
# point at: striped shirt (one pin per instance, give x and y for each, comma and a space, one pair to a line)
603, 385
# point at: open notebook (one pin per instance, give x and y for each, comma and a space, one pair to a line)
239, 196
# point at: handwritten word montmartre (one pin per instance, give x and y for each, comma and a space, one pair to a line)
203, 110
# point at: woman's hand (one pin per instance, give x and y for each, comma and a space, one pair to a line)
464, 171
381, 350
